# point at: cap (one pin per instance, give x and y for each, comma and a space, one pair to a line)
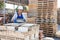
20, 7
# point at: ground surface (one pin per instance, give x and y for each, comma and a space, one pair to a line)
57, 38
58, 30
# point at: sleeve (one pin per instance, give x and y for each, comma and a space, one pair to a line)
14, 17
25, 16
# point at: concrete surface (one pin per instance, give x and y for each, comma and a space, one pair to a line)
58, 30
58, 27
57, 38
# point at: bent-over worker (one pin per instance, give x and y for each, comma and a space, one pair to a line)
18, 16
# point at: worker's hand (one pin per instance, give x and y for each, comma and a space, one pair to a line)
11, 20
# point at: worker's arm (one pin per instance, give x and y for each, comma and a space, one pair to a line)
14, 17
25, 16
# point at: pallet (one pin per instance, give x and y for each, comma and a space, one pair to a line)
48, 29
45, 9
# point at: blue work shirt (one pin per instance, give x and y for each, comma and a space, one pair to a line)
19, 17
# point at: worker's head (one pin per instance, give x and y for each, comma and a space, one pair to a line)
20, 9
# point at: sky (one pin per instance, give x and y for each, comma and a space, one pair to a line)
58, 4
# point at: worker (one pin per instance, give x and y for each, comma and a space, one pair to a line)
18, 16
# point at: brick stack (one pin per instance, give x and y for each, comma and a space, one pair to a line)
32, 11
33, 8
47, 16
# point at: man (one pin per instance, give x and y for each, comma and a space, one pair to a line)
18, 16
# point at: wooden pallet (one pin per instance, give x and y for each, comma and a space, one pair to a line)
45, 9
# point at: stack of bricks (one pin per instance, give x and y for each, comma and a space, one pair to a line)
47, 16
32, 11
33, 8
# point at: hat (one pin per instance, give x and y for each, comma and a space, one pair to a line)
20, 7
